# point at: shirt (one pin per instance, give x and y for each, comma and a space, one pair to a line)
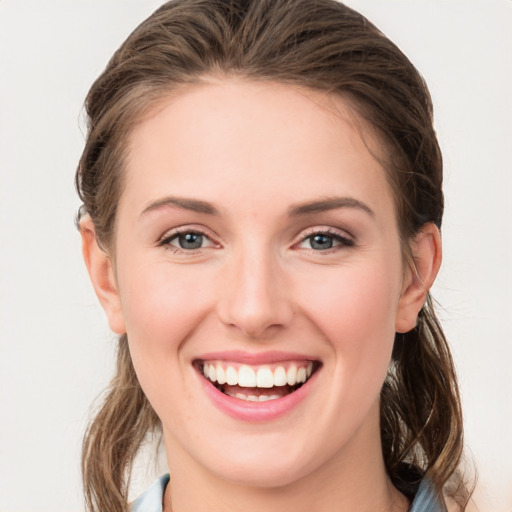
151, 500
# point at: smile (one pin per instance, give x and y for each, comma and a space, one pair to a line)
257, 383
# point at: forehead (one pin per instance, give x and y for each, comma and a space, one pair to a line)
236, 135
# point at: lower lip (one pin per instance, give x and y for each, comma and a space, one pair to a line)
256, 411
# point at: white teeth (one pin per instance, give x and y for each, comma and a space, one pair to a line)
221, 375
246, 377
301, 375
280, 376
212, 373
291, 375
231, 376
262, 377
254, 398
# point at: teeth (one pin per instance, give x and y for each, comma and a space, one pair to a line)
265, 378
280, 376
221, 375
212, 373
262, 377
231, 376
301, 375
246, 377
254, 398
291, 375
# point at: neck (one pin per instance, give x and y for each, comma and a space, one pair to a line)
299, 497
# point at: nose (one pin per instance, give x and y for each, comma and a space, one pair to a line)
256, 299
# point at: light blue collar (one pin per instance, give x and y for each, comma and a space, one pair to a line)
426, 499
152, 499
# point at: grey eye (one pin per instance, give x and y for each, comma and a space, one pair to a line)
186, 241
321, 242
190, 240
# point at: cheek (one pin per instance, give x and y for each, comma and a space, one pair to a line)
355, 309
161, 307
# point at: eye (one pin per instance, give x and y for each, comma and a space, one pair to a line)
187, 241
323, 241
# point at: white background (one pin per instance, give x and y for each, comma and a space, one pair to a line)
56, 353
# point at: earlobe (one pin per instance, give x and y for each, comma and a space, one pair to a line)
101, 272
426, 253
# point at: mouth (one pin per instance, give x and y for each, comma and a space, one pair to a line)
257, 383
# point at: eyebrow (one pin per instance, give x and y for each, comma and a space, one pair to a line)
185, 203
327, 204
207, 208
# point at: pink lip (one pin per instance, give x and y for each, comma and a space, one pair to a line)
237, 356
256, 411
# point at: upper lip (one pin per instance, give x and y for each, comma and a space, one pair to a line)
255, 358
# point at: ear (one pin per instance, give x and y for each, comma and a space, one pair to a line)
101, 272
419, 276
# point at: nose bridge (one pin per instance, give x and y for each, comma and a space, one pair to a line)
256, 297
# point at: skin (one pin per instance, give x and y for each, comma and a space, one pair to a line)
255, 152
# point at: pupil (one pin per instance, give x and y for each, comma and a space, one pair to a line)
321, 242
191, 241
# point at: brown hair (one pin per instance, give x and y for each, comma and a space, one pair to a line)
325, 46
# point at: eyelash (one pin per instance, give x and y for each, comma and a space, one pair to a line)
342, 241
168, 238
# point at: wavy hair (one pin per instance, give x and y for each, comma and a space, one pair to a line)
328, 47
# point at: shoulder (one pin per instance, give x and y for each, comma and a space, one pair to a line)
151, 500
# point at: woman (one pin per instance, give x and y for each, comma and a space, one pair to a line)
262, 203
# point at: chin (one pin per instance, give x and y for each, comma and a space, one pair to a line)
267, 475
269, 462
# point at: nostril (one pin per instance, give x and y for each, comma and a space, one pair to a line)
256, 319
255, 297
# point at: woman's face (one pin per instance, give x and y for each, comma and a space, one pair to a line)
256, 241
